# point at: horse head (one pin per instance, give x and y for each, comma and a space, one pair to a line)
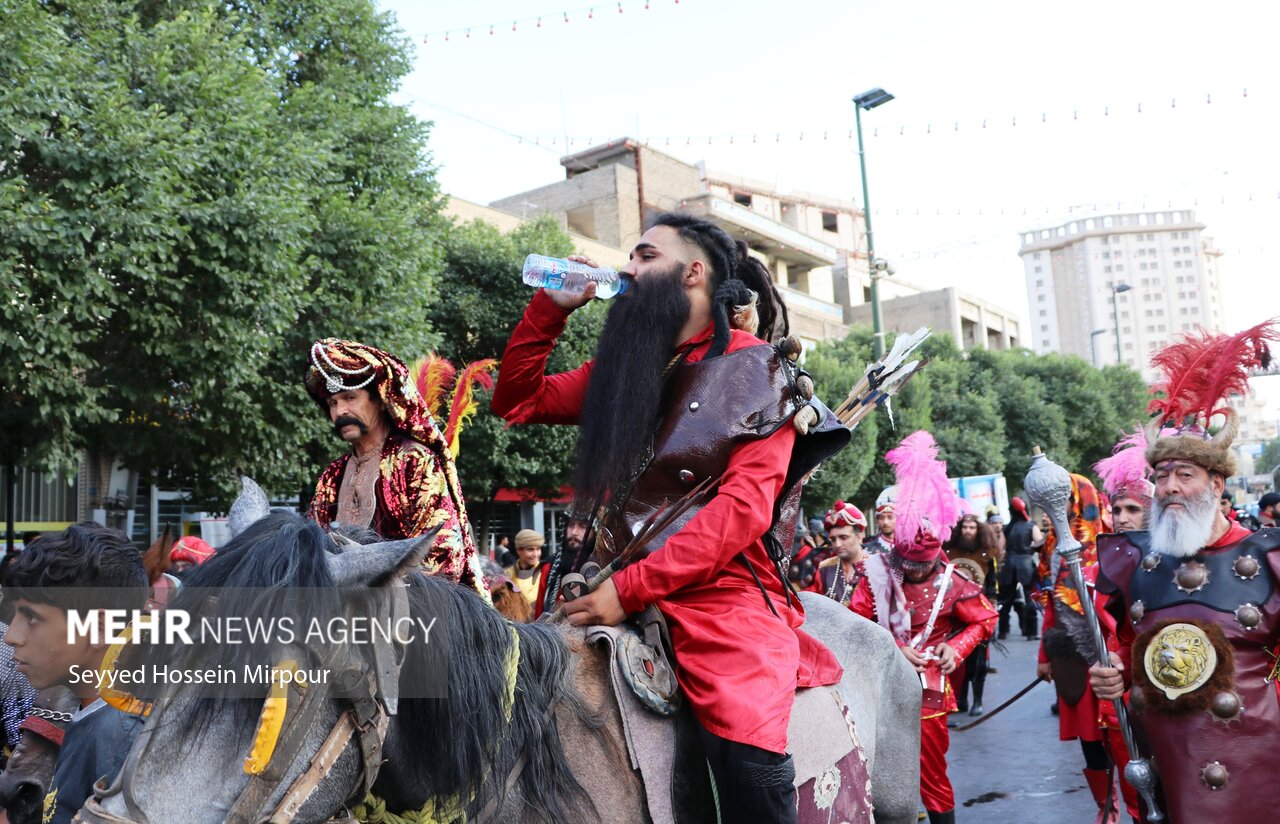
286, 746
29, 771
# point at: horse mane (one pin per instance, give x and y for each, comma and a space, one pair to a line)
273, 568
449, 741
449, 746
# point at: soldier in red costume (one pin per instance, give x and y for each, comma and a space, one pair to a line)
1066, 645
937, 615
680, 391
838, 575
1195, 600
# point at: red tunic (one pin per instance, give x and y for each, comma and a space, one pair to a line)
737, 663
965, 620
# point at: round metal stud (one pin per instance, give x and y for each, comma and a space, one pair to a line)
1246, 567
686, 476
1136, 611
1150, 561
1191, 577
1226, 705
693, 407
1214, 775
1248, 616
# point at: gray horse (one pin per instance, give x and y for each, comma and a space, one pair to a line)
555, 753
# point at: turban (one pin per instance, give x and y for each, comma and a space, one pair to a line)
527, 538
844, 514
885, 508
925, 547
192, 550
343, 365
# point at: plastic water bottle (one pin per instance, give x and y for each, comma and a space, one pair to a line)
570, 276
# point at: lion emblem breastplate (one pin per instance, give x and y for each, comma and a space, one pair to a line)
1179, 659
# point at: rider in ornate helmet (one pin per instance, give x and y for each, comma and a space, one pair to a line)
399, 477
1195, 598
937, 615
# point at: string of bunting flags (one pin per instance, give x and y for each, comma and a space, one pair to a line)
535, 22
844, 134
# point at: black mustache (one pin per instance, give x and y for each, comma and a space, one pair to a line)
349, 420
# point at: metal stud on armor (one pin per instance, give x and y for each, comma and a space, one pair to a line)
1248, 616
1226, 706
1150, 561
1215, 775
1192, 576
1137, 611
1246, 567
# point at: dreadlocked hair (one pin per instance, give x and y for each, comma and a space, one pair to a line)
735, 275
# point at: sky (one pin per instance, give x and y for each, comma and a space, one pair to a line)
1009, 116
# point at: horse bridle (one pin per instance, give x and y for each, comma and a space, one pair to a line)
368, 681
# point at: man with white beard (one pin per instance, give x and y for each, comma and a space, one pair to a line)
1196, 603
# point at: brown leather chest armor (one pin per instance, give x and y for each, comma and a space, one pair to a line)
1212, 742
713, 406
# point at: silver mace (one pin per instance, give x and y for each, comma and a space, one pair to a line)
1048, 486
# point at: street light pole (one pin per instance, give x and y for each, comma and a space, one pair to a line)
1093, 345
869, 100
1115, 315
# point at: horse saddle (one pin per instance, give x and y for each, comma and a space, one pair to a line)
644, 658
665, 750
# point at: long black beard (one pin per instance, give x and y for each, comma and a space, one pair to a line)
624, 396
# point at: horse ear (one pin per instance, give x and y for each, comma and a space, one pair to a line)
363, 565
251, 506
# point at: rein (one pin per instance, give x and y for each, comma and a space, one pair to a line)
48, 724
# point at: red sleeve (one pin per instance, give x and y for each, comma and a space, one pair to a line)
862, 601
525, 393
1047, 623
1121, 643
740, 512
979, 618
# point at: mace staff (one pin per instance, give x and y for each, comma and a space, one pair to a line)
1048, 486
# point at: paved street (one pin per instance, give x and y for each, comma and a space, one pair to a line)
1013, 768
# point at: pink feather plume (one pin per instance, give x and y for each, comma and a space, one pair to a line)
925, 496
1127, 464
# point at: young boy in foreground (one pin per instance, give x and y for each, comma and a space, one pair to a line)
87, 568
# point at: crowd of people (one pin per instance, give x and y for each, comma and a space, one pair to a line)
690, 420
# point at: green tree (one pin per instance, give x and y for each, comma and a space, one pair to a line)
1270, 457
481, 302
192, 193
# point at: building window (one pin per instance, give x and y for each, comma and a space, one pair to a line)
742, 199
1119, 267
829, 222
1143, 267
1035, 255
1129, 347
1037, 270
1106, 269
1044, 313
1040, 298
1040, 283
1044, 328
1106, 256
1124, 315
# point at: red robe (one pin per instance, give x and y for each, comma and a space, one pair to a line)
738, 664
